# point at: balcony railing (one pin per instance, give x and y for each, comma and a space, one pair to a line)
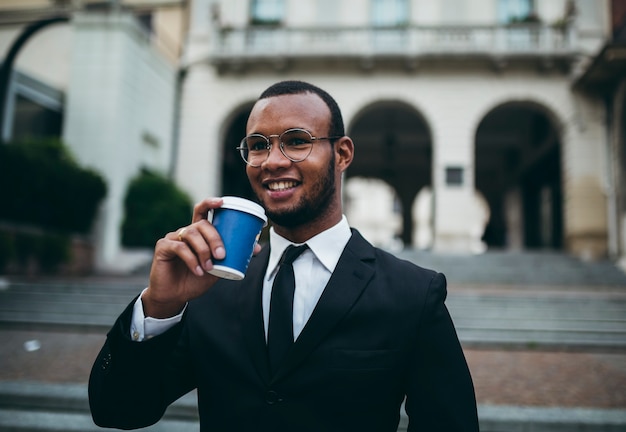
257, 42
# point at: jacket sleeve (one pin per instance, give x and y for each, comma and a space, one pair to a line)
440, 394
132, 383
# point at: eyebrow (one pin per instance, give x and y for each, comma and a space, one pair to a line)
278, 134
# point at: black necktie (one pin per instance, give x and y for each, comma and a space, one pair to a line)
280, 331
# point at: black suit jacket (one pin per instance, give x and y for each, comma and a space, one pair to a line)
380, 333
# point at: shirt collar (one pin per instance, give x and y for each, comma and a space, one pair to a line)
327, 246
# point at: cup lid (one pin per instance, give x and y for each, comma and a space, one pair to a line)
242, 204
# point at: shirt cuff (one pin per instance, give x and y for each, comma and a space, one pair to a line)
143, 327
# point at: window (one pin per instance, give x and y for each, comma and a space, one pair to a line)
267, 11
390, 17
514, 10
327, 12
35, 121
146, 20
34, 109
389, 12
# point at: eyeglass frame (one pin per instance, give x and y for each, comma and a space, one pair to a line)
281, 146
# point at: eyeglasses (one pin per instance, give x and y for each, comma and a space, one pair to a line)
295, 144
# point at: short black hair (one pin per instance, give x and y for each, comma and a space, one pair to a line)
299, 87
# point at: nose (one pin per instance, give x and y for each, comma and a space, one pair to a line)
275, 158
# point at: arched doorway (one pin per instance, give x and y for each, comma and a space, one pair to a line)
234, 179
518, 170
393, 143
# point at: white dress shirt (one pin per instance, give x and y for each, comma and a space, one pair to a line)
312, 272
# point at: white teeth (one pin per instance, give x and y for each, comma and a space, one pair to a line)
282, 185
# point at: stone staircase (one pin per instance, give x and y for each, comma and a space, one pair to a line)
515, 299
528, 268
533, 299
547, 320
496, 300
45, 407
87, 303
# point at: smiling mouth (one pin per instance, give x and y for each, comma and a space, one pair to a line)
281, 185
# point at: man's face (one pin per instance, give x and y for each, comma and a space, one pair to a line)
294, 194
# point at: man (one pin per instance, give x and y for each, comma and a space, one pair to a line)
370, 330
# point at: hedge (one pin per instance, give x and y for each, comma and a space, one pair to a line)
154, 206
42, 185
46, 197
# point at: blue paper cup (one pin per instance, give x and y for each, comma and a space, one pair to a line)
239, 222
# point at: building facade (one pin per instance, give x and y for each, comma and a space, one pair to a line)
103, 77
477, 123
464, 109
604, 78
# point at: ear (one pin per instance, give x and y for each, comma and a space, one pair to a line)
344, 152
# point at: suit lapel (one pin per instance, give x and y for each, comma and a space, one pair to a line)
251, 311
354, 270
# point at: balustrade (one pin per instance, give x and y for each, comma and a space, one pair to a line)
265, 41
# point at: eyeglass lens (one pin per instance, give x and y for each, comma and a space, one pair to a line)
295, 144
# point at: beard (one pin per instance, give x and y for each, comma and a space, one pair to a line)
310, 207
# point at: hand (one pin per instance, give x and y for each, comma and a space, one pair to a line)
181, 260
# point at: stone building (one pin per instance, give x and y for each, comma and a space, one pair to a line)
466, 105
603, 77
103, 77
478, 123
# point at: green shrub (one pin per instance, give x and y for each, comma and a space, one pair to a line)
54, 250
27, 246
153, 206
43, 250
42, 185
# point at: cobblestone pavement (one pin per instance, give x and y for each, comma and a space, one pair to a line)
501, 377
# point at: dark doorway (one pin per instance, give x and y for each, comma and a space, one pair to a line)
234, 179
518, 170
393, 143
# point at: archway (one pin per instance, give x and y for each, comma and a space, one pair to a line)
234, 179
518, 170
393, 143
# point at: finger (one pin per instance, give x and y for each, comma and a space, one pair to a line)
212, 238
201, 209
205, 242
180, 233
169, 248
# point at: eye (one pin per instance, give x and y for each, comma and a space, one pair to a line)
296, 139
256, 143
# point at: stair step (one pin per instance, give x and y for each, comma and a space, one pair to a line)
530, 268
12, 420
